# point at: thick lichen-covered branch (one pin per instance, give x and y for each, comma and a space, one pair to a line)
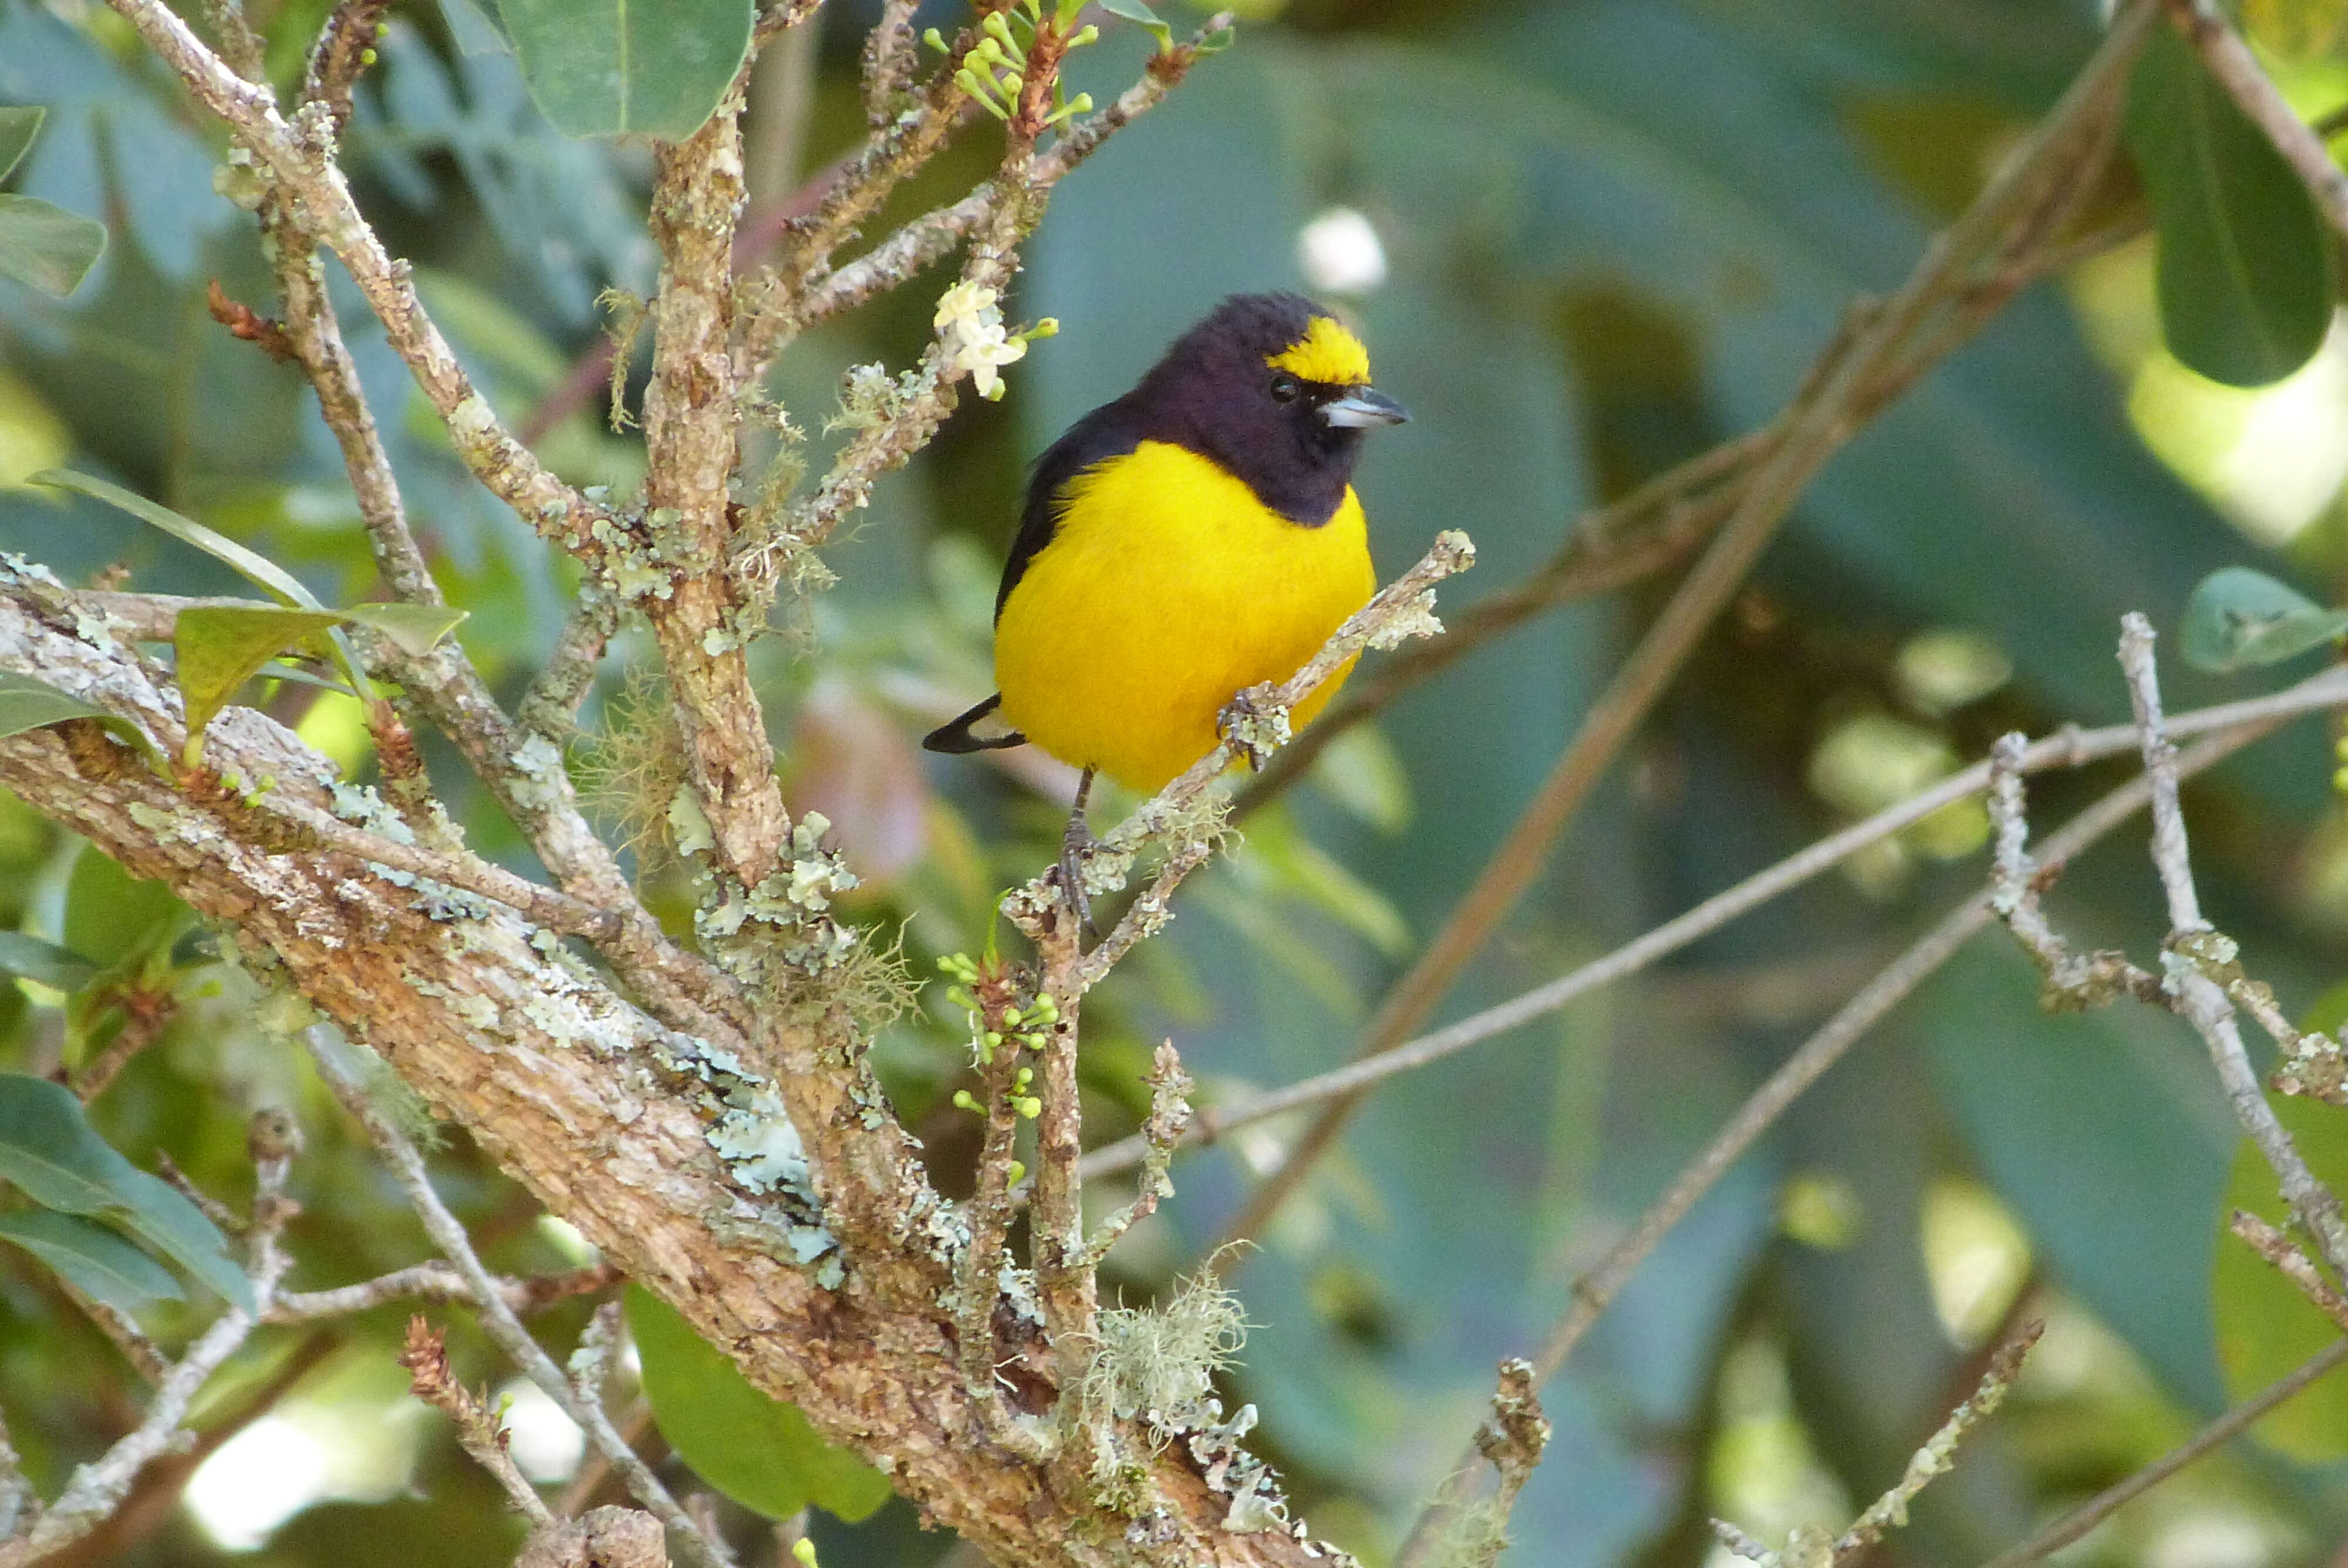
758, 1183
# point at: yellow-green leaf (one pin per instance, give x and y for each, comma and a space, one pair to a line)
416, 628
220, 646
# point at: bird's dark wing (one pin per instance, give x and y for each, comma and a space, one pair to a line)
1103, 433
972, 733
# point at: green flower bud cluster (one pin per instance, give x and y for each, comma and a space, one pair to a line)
995, 72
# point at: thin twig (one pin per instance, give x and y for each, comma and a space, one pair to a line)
2200, 999
437, 1282
1851, 381
1595, 1291
496, 1318
2238, 71
2270, 1243
2066, 748
425, 1357
2216, 1435
298, 156
1934, 1458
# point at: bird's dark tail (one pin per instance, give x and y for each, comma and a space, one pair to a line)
976, 731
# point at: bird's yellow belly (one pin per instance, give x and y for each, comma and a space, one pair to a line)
1166, 589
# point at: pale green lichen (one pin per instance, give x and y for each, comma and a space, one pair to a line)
794, 903
360, 804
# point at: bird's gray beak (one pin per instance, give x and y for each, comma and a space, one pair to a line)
1363, 408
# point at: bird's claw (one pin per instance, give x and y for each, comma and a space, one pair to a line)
1075, 843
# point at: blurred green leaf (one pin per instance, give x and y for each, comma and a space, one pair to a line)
43, 245
112, 916
91, 1258
2239, 619
1136, 11
257, 568
756, 1450
48, 1151
46, 962
2104, 1135
222, 646
18, 127
415, 627
2245, 268
2265, 1327
2326, 1012
27, 703
475, 27
619, 67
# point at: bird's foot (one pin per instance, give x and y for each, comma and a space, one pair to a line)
1076, 842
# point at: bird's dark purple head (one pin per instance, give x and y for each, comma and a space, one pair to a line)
1275, 389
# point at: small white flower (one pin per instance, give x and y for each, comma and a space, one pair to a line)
970, 327
981, 356
966, 303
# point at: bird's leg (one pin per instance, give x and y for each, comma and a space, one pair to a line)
1076, 839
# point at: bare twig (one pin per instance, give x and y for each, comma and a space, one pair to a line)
2216, 1435
2015, 884
1932, 307
425, 1357
2199, 998
496, 1319
931, 236
1934, 1458
298, 156
2238, 71
2270, 1243
1595, 1291
437, 1282
1169, 1117
2066, 748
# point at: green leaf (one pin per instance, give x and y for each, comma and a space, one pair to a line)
91, 1258
257, 568
48, 1151
756, 1450
113, 918
220, 646
46, 247
2239, 620
18, 127
46, 962
620, 67
2245, 267
474, 27
1136, 11
2265, 1327
28, 703
416, 628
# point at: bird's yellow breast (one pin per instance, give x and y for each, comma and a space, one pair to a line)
1168, 588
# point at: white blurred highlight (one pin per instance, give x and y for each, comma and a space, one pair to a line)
1339, 252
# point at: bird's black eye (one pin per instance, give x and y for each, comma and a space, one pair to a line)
1285, 387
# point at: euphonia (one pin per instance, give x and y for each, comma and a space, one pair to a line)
1197, 536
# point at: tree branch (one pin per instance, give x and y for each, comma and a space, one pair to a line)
1935, 307
2066, 749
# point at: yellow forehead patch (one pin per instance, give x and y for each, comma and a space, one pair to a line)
1326, 353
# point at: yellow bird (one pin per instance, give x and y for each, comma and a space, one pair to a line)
1197, 536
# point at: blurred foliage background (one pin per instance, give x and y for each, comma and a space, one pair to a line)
1584, 239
